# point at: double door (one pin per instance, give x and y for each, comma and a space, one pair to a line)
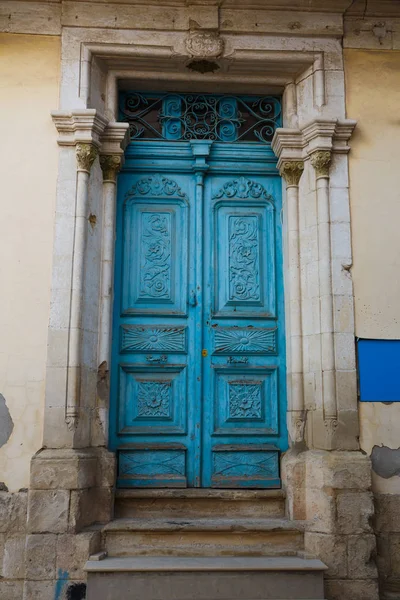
198, 373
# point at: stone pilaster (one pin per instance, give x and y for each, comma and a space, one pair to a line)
114, 141
78, 130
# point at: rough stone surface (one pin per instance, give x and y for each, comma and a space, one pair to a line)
40, 557
106, 469
39, 590
293, 468
341, 589
387, 507
362, 556
69, 472
14, 557
339, 470
11, 590
331, 549
355, 511
321, 510
13, 508
89, 506
395, 554
48, 511
74, 550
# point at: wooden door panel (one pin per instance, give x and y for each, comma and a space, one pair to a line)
243, 333
244, 259
155, 273
153, 383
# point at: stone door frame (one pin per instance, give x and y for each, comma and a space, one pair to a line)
311, 147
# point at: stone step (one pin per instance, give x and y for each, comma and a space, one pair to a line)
199, 503
215, 578
202, 537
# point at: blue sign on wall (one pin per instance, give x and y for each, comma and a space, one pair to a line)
379, 370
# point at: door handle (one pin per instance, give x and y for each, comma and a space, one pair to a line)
193, 298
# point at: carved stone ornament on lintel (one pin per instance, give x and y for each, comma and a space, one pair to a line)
292, 170
204, 44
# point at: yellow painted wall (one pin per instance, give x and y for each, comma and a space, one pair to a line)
29, 83
373, 98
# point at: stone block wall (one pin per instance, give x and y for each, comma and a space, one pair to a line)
42, 546
387, 530
13, 510
332, 492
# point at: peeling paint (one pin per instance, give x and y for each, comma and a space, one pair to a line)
386, 461
6, 422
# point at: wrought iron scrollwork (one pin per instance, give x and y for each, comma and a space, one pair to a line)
183, 117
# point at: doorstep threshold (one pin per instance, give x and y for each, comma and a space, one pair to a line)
195, 493
215, 563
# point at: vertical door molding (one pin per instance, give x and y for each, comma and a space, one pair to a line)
78, 130
287, 145
114, 140
321, 358
321, 160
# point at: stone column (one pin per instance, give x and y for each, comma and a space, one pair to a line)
110, 165
291, 171
114, 140
321, 160
85, 156
79, 141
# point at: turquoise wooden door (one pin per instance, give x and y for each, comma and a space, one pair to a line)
198, 372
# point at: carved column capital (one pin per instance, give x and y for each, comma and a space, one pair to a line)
321, 161
110, 165
292, 170
85, 156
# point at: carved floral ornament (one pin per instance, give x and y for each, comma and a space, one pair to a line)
110, 165
204, 45
85, 156
321, 161
292, 171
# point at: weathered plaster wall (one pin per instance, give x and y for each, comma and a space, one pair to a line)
29, 83
373, 98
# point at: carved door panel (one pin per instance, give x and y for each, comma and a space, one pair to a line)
198, 370
156, 410
243, 333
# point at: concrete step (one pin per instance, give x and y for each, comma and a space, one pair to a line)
216, 578
199, 503
202, 537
